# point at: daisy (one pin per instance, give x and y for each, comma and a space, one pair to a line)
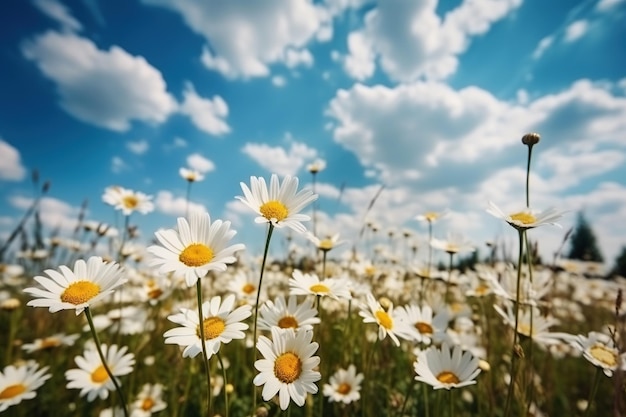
455, 243
221, 324
427, 328
310, 284
128, 200
431, 216
388, 322
280, 205
326, 244
599, 349
245, 286
198, 247
50, 342
190, 175
287, 366
92, 378
446, 368
526, 218
539, 324
289, 314
19, 383
316, 166
149, 401
87, 284
344, 386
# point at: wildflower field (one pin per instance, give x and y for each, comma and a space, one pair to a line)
192, 324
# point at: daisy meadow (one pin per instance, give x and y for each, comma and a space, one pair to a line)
281, 204
526, 218
287, 366
198, 247
87, 284
310, 284
599, 349
221, 325
18, 383
344, 386
289, 314
446, 368
427, 328
92, 378
388, 322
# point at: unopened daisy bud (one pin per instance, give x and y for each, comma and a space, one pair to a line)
384, 302
484, 365
261, 412
229, 388
531, 139
10, 304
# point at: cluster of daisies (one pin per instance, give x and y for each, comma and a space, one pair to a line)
425, 314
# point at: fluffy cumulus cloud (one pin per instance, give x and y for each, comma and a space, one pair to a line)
244, 38
206, 114
412, 41
279, 160
167, 203
200, 163
108, 88
138, 147
11, 168
575, 30
55, 214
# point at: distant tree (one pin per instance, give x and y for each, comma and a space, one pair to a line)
583, 244
620, 264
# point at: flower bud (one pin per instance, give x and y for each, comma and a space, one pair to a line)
531, 139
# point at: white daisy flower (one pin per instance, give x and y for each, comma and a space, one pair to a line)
128, 200
431, 216
540, 324
198, 247
287, 366
427, 328
87, 284
327, 243
149, 401
50, 342
599, 349
245, 286
454, 243
92, 378
289, 314
221, 324
316, 166
190, 175
446, 368
344, 386
18, 383
310, 284
388, 322
526, 218
281, 204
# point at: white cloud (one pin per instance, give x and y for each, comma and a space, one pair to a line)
412, 41
206, 114
200, 163
118, 165
606, 5
245, 37
279, 81
54, 213
58, 12
165, 202
138, 147
279, 160
542, 46
575, 30
105, 88
294, 58
11, 168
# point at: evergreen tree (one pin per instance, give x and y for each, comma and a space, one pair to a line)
583, 243
620, 264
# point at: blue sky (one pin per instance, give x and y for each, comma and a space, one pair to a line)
428, 98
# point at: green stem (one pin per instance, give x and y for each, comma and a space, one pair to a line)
531, 385
449, 283
219, 358
530, 151
205, 358
409, 388
451, 403
256, 307
425, 393
594, 389
187, 199
324, 252
104, 362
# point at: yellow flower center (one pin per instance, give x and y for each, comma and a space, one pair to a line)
319, 288
130, 202
523, 328
147, 404
448, 378
604, 355
523, 217
196, 254
384, 319
326, 244
80, 292
50, 342
424, 328
274, 209
288, 322
287, 367
12, 391
248, 288
155, 293
344, 388
452, 248
431, 216
99, 375
482, 289
213, 327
